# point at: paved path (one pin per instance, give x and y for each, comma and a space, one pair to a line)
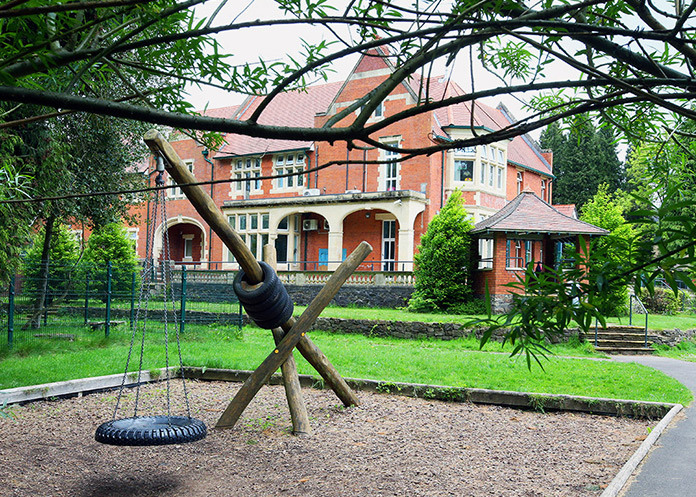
670, 468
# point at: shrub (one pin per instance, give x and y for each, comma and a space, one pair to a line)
443, 261
663, 301
110, 243
63, 256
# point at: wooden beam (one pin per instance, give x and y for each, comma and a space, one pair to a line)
262, 374
291, 380
205, 206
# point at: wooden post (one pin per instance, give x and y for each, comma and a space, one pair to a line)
263, 373
291, 380
205, 206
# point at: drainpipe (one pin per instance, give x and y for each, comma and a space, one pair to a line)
210, 230
316, 167
364, 175
347, 165
442, 181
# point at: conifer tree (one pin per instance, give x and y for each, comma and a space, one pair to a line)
443, 261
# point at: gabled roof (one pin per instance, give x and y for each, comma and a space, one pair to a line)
522, 151
527, 213
567, 210
293, 108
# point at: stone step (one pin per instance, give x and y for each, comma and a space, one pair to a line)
625, 350
621, 343
610, 335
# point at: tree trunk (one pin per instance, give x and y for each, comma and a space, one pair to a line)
42, 286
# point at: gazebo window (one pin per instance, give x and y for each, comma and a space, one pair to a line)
519, 253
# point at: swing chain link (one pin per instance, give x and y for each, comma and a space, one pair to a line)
148, 276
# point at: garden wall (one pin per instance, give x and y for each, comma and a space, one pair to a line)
410, 329
348, 295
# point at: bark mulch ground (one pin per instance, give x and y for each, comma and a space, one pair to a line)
389, 446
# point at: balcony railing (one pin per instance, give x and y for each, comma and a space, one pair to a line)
198, 272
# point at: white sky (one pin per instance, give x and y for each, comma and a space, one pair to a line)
274, 43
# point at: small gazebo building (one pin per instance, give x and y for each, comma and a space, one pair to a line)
526, 231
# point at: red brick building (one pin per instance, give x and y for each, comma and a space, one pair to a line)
318, 216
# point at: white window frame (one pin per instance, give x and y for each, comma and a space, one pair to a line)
543, 190
390, 171
520, 182
486, 253
457, 168
175, 193
389, 245
289, 163
254, 238
187, 253
249, 169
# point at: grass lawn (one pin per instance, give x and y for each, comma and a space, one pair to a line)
453, 363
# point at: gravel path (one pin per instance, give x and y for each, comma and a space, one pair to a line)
390, 446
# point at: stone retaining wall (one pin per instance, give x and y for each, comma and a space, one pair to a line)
348, 295
410, 329
671, 338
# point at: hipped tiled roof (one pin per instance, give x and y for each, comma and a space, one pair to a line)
527, 213
294, 108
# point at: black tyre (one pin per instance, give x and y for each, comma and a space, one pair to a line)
259, 294
276, 316
269, 304
151, 430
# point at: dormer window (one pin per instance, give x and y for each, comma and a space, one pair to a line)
289, 164
249, 169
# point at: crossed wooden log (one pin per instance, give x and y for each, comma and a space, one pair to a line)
292, 333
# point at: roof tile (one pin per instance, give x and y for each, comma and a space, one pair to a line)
528, 213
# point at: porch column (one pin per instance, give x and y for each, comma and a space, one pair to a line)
335, 249
405, 250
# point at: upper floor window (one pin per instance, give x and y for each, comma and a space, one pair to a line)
379, 111
463, 170
176, 192
543, 190
246, 172
465, 151
519, 182
291, 167
390, 170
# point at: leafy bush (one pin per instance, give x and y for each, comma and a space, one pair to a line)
110, 243
63, 256
443, 261
613, 253
663, 301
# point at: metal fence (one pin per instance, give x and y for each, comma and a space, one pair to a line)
85, 299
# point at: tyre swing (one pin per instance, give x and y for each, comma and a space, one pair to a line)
264, 299
139, 430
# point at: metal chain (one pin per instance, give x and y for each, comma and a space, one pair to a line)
167, 280
177, 327
145, 281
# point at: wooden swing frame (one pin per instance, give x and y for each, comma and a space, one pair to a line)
292, 333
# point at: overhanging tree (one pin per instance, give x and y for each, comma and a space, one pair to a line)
624, 63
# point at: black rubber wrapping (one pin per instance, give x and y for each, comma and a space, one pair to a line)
151, 430
269, 304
